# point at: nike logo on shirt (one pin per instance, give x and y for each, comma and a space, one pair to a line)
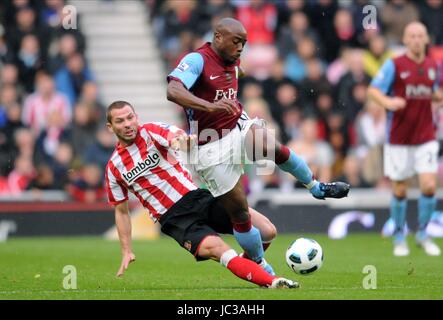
213, 78
405, 74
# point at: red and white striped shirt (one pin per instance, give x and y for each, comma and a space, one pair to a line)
149, 169
36, 110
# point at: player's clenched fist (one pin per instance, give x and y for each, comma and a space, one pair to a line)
126, 260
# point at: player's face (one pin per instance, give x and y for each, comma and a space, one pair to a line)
124, 124
416, 39
232, 45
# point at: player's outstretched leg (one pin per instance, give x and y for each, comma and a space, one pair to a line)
250, 271
426, 207
297, 167
213, 247
289, 162
268, 232
247, 236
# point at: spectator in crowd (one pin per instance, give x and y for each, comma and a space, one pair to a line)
24, 143
89, 186
324, 106
260, 20
376, 55
29, 60
66, 46
352, 172
71, 78
297, 29
211, 9
101, 149
285, 9
10, 112
250, 88
10, 10
396, 14
343, 34
337, 69
54, 133
285, 98
316, 153
321, 14
5, 54
50, 13
19, 178
43, 180
277, 77
9, 77
371, 133
7, 141
44, 101
84, 127
292, 119
178, 16
90, 97
345, 88
341, 137
26, 23
62, 164
314, 83
295, 62
431, 13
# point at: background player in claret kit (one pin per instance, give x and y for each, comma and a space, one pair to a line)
205, 83
406, 86
145, 162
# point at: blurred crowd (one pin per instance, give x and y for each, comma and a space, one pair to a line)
52, 135
309, 64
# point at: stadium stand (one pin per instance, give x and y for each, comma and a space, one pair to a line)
308, 76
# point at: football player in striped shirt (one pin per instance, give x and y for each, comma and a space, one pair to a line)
146, 163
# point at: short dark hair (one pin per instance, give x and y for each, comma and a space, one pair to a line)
116, 105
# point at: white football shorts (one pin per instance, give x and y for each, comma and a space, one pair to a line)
220, 163
401, 162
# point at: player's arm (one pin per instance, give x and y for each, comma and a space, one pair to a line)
170, 136
181, 80
124, 229
380, 86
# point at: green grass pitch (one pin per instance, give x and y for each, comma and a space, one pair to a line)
32, 268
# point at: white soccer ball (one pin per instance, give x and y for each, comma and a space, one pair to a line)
304, 256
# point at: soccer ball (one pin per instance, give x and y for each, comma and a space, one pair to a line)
304, 256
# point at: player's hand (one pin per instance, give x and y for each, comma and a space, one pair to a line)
396, 103
225, 105
126, 260
183, 142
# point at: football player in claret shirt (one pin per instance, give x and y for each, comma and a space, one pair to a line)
205, 84
146, 163
406, 86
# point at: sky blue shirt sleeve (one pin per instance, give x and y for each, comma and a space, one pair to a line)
189, 69
385, 77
